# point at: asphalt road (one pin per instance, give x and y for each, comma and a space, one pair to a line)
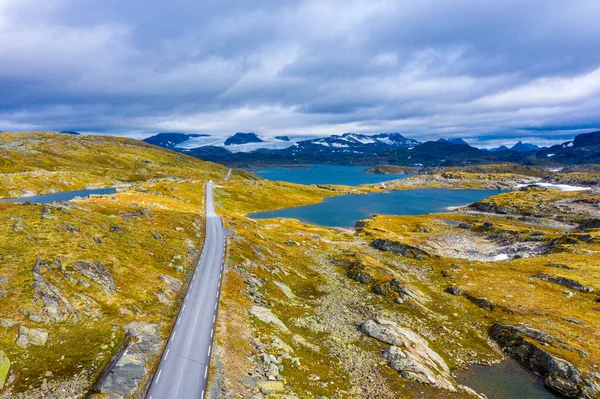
183, 369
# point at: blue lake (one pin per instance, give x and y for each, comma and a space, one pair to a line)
64, 196
324, 174
345, 210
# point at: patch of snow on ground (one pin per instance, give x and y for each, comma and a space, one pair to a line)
561, 187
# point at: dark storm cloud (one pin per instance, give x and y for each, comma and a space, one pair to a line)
486, 71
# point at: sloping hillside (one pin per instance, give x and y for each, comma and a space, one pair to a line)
47, 162
83, 280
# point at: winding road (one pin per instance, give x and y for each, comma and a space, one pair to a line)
183, 368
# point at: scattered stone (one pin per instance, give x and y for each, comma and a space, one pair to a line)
287, 291
589, 224
360, 276
360, 224
270, 387
483, 303
278, 344
6, 323
71, 229
292, 243
55, 304
97, 240
22, 342
398, 287
299, 340
558, 266
18, 227
566, 282
454, 290
115, 229
33, 336
399, 248
464, 226
98, 273
266, 316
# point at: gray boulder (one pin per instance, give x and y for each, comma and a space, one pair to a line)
565, 282
125, 374
98, 273
409, 354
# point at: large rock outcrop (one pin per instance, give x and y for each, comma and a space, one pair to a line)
126, 373
54, 304
409, 354
559, 374
98, 273
399, 248
565, 282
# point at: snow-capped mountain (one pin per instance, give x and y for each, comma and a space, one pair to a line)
249, 142
189, 141
353, 142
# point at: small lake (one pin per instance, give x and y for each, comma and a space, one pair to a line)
324, 174
64, 196
345, 210
505, 380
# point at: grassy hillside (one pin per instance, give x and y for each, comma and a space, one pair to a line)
81, 271
48, 162
296, 293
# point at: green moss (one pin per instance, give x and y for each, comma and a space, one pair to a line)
4, 368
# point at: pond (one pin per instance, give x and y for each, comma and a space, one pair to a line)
505, 380
345, 210
64, 196
324, 174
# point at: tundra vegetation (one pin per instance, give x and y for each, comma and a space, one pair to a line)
391, 308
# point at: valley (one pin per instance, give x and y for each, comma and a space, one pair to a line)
456, 267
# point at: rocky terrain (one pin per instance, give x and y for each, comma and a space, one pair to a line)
395, 306
390, 309
90, 287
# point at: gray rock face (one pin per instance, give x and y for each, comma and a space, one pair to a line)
409, 354
98, 273
31, 336
454, 290
560, 375
53, 302
566, 282
128, 369
401, 289
172, 287
399, 248
589, 224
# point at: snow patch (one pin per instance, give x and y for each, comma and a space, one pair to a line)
561, 187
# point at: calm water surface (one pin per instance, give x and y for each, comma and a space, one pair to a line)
325, 174
65, 196
345, 210
505, 380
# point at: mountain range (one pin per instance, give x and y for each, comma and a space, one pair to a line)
364, 149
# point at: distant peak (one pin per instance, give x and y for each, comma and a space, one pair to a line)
243, 138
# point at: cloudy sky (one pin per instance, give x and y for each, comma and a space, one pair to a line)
488, 71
